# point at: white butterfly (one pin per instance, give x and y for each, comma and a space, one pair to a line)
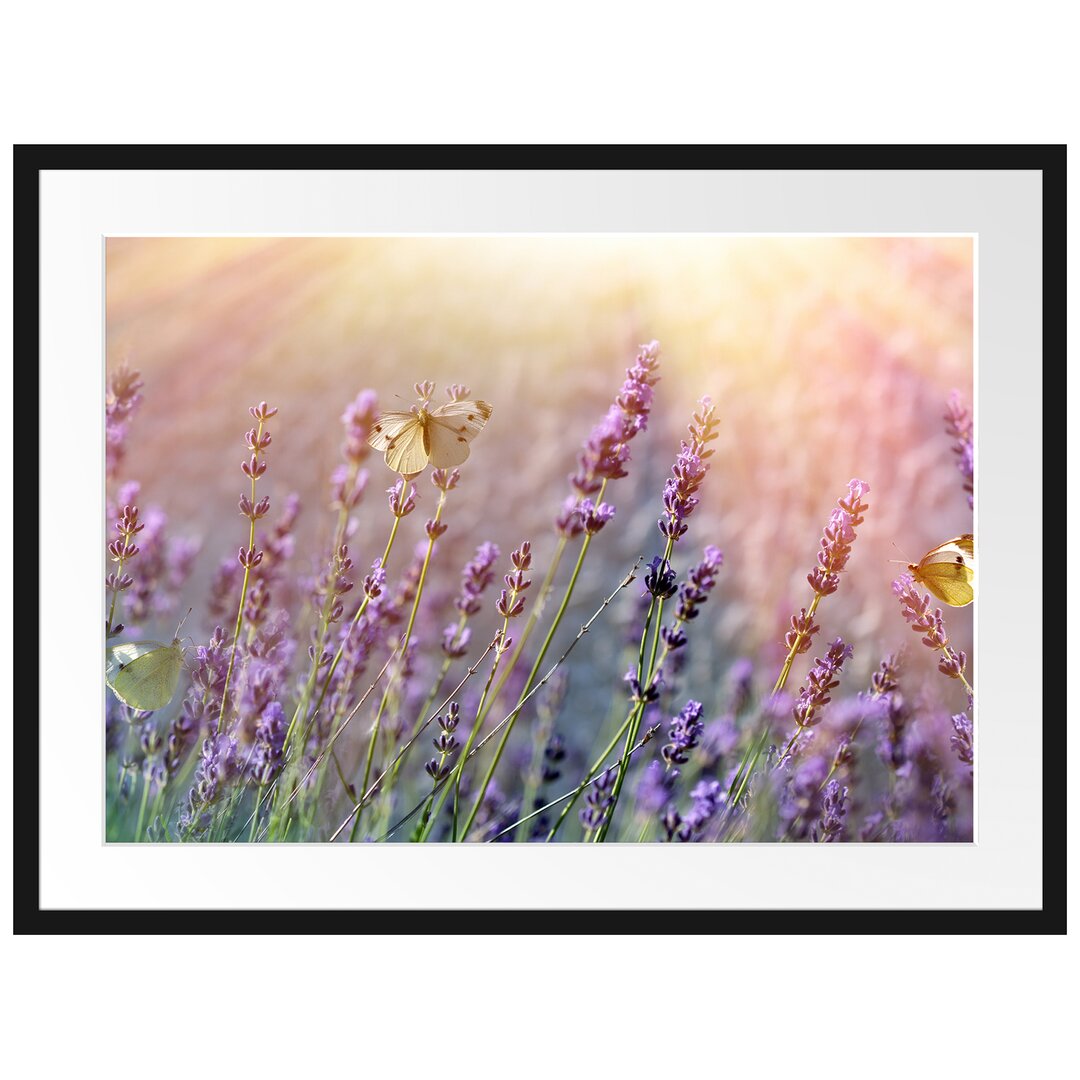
440, 436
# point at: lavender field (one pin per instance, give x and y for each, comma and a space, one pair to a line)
663, 599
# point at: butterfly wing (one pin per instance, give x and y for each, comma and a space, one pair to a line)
119, 656
951, 583
949, 571
407, 452
452, 427
400, 435
388, 427
144, 678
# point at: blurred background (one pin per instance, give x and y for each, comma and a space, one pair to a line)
829, 358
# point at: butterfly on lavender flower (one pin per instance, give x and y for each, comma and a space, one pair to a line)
441, 436
948, 571
145, 674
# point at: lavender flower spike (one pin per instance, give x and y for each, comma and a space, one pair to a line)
837, 539
476, 577
685, 733
607, 449
961, 428
916, 609
688, 472
814, 696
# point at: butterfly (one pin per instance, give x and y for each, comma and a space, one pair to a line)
144, 674
440, 436
948, 571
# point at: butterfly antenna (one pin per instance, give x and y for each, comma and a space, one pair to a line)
903, 562
180, 624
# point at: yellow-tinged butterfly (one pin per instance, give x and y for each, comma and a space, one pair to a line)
144, 674
949, 570
440, 436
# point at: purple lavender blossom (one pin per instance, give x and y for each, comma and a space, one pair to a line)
885, 680
708, 797
688, 472
375, 582
218, 766
640, 694
445, 479
821, 680
401, 503
598, 800
916, 609
358, 419
153, 581
660, 578
122, 398
568, 523
268, 753
832, 827
656, 787
121, 551
554, 754
455, 640
476, 577
963, 739
802, 801
838, 538
943, 805
511, 599
961, 428
445, 743
700, 581
801, 634
684, 733
594, 518
607, 450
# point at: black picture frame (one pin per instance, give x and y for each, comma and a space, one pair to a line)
30, 160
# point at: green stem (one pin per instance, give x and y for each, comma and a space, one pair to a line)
341, 648
255, 814
476, 724
142, 810
742, 778
533, 777
329, 678
594, 769
645, 679
530, 624
949, 654
243, 590
528, 684
324, 619
404, 646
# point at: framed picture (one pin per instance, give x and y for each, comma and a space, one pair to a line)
590, 531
